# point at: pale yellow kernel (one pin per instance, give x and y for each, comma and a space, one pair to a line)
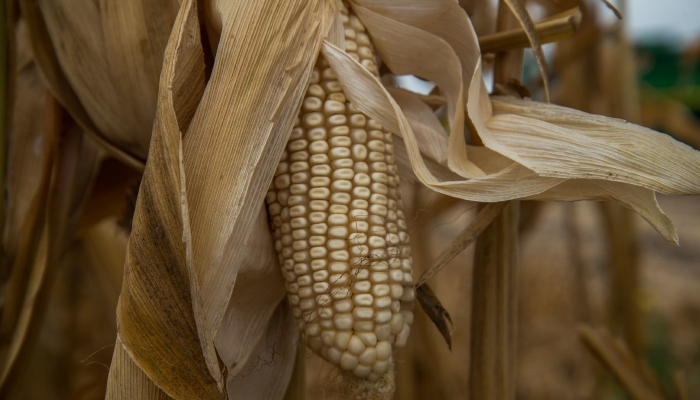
362, 286
363, 299
313, 120
382, 302
375, 156
338, 209
357, 238
339, 255
282, 197
341, 130
307, 303
342, 163
334, 355
408, 294
376, 241
339, 232
297, 199
395, 306
350, 46
356, 346
319, 159
318, 229
297, 211
362, 274
317, 217
328, 74
378, 188
298, 188
275, 209
294, 299
339, 153
343, 322
336, 120
342, 340
340, 141
300, 245
315, 74
359, 250
282, 168
341, 198
318, 205
320, 181
318, 252
311, 104
337, 219
336, 244
318, 147
355, 57
321, 275
313, 329
370, 65
343, 306
361, 38
396, 276
320, 287
320, 263
396, 323
344, 173
337, 97
282, 181
392, 238
379, 277
319, 193
333, 107
359, 226
379, 177
363, 326
321, 170
348, 361
341, 293
362, 370
331, 86
338, 267
341, 185
363, 313
298, 223
359, 152
361, 192
383, 316
315, 90
317, 134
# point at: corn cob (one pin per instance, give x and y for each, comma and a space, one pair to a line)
339, 230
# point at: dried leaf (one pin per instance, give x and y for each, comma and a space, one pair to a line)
258, 292
127, 381
266, 374
111, 54
560, 142
482, 220
159, 315
263, 62
436, 312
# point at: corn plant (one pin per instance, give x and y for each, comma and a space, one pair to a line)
270, 143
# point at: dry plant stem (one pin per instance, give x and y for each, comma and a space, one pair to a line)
482, 220
494, 285
619, 362
4, 80
623, 314
552, 29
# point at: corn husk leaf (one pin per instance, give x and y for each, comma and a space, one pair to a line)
110, 53
231, 150
266, 375
160, 297
127, 381
258, 292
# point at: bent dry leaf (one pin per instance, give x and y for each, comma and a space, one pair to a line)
435, 311
160, 301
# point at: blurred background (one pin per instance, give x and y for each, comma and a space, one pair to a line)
582, 264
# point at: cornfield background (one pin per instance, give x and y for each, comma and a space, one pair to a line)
590, 301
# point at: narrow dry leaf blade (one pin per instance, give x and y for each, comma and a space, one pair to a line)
482, 220
161, 324
435, 311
